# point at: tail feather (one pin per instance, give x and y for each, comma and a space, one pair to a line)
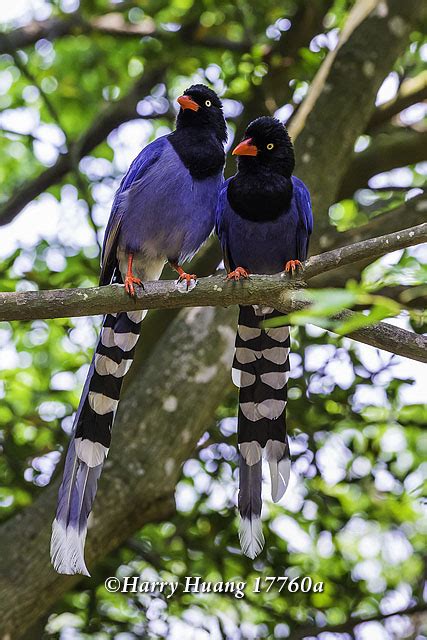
250, 504
261, 371
75, 498
91, 439
68, 539
68, 479
277, 456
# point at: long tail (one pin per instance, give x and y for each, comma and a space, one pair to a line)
261, 371
91, 439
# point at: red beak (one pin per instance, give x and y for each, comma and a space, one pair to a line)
245, 148
185, 102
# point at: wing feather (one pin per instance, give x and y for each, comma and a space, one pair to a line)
220, 226
305, 217
145, 159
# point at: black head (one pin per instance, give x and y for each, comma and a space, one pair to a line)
202, 109
262, 188
266, 144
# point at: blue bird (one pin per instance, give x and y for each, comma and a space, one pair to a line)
162, 212
263, 221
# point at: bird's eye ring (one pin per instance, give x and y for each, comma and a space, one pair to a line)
208, 103
270, 146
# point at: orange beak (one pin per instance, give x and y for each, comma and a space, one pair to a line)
185, 102
245, 148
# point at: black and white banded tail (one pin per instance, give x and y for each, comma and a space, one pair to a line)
261, 371
91, 438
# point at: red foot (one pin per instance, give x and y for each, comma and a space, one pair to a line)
238, 273
130, 280
291, 265
188, 277
182, 275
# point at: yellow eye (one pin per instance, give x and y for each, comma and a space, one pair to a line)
270, 146
208, 103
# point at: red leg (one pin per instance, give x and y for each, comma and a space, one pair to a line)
182, 275
239, 272
292, 265
130, 279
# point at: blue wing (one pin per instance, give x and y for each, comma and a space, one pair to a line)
220, 224
145, 159
305, 217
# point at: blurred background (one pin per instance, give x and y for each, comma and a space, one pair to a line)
83, 86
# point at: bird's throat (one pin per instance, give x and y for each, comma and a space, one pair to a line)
202, 153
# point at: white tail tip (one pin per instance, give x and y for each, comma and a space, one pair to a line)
251, 536
67, 550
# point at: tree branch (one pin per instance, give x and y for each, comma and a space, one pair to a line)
47, 101
411, 91
112, 23
387, 151
352, 623
409, 214
347, 95
370, 248
357, 15
410, 297
278, 291
114, 115
274, 89
36, 30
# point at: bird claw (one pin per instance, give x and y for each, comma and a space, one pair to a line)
189, 278
129, 282
292, 265
238, 273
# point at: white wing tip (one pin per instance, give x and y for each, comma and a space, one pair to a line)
251, 536
67, 550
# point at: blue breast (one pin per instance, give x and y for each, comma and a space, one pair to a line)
168, 213
262, 247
